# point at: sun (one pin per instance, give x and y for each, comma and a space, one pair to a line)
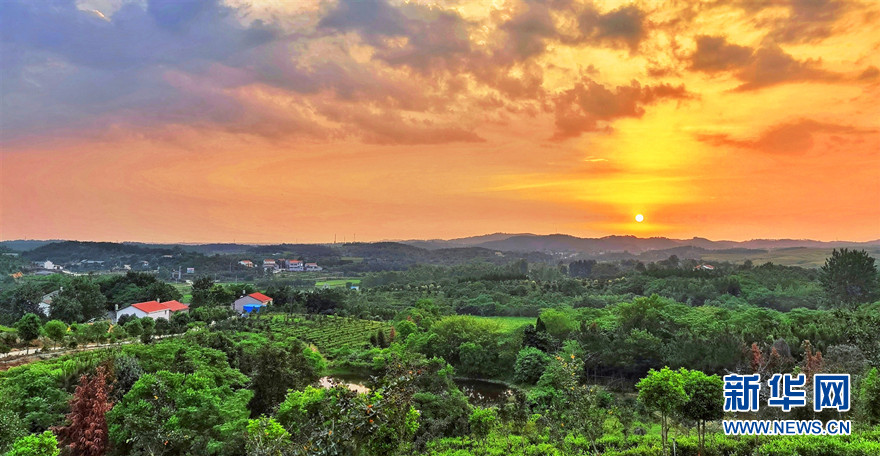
640, 218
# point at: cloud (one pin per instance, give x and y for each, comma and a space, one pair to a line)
714, 53
766, 66
623, 26
790, 138
590, 106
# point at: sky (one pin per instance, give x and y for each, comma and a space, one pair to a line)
268, 121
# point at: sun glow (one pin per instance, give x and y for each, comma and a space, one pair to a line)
640, 218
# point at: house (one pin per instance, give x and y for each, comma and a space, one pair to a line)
270, 263
704, 267
46, 265
295, 265
246, 263
252, 302
313, 267
153, 309
45, 304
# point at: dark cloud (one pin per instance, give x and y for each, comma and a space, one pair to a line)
714, 53
527, 33
809, 20
771, 65
435, 39
623, 26
764, 67
590, 106
796, 137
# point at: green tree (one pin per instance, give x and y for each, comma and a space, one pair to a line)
530, 364
481, 421
201, 292
149, 327
664, 392
275, 371
134, 328
56, 330
174, 413
265, 437
869, 396
849, 276
43, 444
29, 328
705, 400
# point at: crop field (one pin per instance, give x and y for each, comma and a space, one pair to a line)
336, 283
510, 324
801, 256
331, 332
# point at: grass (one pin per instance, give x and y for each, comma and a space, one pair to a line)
511, 324
336, 283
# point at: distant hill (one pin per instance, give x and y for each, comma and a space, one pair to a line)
635, 245
25, 244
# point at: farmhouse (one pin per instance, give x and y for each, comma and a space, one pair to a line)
153, 309
269, 263
246, 263
45, 304
313, 267
295, 265
251, 303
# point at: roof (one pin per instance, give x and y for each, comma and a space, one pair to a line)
260, 297
174, 306
295, 261
149, 306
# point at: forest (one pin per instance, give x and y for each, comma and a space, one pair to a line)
476, 358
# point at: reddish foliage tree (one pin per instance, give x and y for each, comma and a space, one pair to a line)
392, 335
87, 433
812, 361
757, 358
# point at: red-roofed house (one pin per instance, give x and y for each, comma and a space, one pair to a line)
153, 309
175, 306
253, 299
295, 265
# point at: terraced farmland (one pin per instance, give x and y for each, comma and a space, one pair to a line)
331, 332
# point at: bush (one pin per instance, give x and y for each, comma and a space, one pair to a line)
530, 364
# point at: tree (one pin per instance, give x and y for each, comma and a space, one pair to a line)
482, 420
172, 413
265, 437
705, 400
662, 391
43, 444
201, 292
530, 364
66, 308
149, 326
29, 328
276, 370
56, 330
869, 396
87, 433
849, 276
25, 299
134, 327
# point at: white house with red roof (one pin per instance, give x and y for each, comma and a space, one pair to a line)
313, 267
153, 309
251, 301
269, 263
295, 265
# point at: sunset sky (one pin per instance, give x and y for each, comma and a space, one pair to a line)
291, 121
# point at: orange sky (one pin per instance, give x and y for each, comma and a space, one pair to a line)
265, 121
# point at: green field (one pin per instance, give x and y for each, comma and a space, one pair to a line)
804, 257
336, 283
511, 323
329, 332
